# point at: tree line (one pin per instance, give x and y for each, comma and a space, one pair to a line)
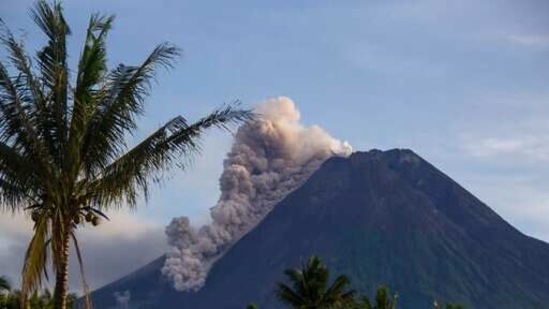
13, 299
309, 287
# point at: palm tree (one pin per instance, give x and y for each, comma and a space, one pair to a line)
384, 300
310, 290
63, 152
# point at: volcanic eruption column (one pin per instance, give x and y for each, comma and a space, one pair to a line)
269, 158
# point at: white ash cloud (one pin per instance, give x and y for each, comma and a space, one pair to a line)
269, 158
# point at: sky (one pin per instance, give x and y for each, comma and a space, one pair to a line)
465, 84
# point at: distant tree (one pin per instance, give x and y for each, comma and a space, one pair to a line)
384, 300
252, 306
4, 284
11, 300
64, 156
310, 289
37, 300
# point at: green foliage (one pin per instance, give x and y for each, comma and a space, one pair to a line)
43, 300
252, 306
4, 284
361, 303
309, 290
64, 159
310, 287
383, 300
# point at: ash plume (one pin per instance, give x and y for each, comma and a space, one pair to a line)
270, 157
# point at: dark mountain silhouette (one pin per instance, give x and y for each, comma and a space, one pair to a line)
380, 217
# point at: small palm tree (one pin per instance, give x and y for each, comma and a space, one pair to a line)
310, 288
63, 152
384, 300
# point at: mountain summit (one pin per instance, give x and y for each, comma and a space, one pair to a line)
380, 217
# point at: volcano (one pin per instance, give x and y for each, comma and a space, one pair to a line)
380, 217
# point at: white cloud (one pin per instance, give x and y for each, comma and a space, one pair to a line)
502, 142
384, 60
531, 40
111, 250
523, 200
532, 148
506, 126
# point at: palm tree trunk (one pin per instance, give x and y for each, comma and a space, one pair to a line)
62, 273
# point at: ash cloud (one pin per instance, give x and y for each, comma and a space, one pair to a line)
270, 157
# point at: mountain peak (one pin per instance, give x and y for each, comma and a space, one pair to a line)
380, 217
396, 158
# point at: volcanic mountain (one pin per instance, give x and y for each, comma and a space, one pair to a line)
380, 217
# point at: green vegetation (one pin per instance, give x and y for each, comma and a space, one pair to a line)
383, 300
64, 158
309, 289
43, 300
4, 284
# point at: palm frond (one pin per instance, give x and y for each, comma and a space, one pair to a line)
315, 277
52, 61
339, 284
19, 124
91, 71
288, 296
85, 285
121, 102
36, 257
11, 196
147, 162
298, 281
309, 287
19, 179
60, 235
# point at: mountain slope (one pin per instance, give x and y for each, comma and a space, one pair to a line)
379, 217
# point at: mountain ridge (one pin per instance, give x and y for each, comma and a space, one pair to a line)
380, 217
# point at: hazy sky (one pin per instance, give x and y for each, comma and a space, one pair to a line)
465, 84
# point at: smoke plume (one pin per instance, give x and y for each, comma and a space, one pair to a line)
270, 157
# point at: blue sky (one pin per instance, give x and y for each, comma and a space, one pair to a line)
465, 83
